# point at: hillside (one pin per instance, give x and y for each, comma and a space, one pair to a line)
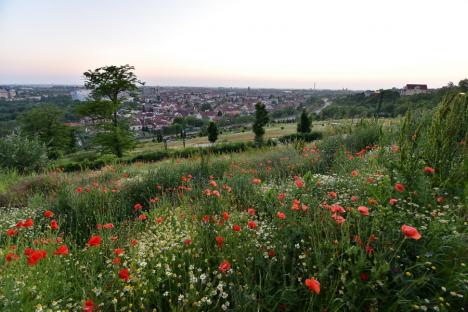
357, 221
385, 103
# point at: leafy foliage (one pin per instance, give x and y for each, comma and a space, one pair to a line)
304, 125
212, 132
22, 153
46, 122
261, 120
108, 85
306, 137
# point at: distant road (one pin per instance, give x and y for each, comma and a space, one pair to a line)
327, 103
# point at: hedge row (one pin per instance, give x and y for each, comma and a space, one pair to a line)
306, 137
159, 155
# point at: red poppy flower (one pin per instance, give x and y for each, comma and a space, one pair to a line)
224, 266
392, 201
281, 215
213, 183
440, 199
410, 232
94, 241
159, 219
225, 216
354, 198
28, 223
369, 249
219, 241
134, 242
142, 217
11, 232
252, 225
338, 219
332, 195
187, 242
206, 218
62, 250
11, 257
48, 214
337, 208
363, 276
281, 196
399, 187
313, 284
118, 251
354, 173
256, 181
116, 260
58, 240
54, 225
79, 189
236, 228
271, 253
124, 275
299, 183
429, 170
35, 256
137, 206
154, 200
363, 210
108, 226
251, 211
88, 306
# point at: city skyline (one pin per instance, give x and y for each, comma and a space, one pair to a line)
262, 44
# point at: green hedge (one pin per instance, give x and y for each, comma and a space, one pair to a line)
154, 156
306, 137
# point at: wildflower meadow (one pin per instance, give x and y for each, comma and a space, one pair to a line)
373, 219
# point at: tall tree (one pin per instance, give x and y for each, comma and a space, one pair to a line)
261, 120
304, 122
46, 122
108, 85
463, 85
212, 132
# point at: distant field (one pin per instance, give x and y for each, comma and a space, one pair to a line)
274, 131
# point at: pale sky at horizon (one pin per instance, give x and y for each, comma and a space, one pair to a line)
360, 44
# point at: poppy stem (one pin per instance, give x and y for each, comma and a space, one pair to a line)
398, 249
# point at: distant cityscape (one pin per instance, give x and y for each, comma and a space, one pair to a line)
153, 108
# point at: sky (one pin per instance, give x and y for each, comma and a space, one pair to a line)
354, 44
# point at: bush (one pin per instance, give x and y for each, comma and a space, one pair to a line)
22, 153
151, 156
306, 137
329, 148
366, 133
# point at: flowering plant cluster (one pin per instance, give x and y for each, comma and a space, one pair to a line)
261, 231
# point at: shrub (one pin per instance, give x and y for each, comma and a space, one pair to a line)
22, 153
151, 156
366, 133
329, 148
306, 137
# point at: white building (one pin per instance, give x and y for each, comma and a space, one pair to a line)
80, 95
